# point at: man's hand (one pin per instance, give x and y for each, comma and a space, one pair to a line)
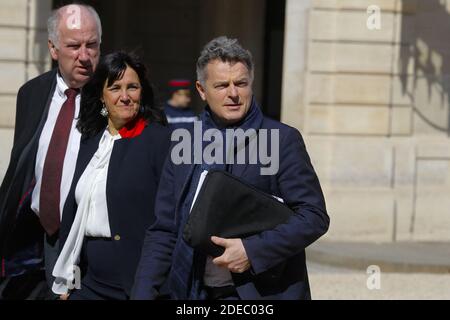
234, 258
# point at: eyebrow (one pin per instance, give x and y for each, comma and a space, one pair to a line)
128, 84
226, 81
71, 41
220, 83
75, 41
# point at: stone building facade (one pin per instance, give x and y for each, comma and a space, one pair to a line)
23, 55
373, 105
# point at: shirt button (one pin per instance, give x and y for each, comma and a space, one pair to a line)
117, 237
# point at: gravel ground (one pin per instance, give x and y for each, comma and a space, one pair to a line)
335, 283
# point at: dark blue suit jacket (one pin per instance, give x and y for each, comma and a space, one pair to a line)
133, 176
277, 256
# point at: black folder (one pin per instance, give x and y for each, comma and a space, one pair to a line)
228, 207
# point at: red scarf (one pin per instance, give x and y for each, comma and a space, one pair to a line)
133, 128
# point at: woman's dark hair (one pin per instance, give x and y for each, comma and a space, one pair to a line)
111, 68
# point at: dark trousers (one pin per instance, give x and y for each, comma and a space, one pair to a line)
28, 286
101, 279
222, 293
51, 253
94, 290
34, 285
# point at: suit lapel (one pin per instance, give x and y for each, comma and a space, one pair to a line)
118, 153
39, 105
87, 149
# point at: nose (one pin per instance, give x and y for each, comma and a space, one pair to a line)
84, 54
124, 97
232, 91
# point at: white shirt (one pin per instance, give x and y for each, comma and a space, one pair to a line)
92, 188
216, 276
73, 146
91, 218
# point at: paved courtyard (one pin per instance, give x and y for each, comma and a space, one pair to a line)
336, 283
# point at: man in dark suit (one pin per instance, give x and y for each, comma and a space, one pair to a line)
44, 153
269, 265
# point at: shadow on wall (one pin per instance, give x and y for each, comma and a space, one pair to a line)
425, 43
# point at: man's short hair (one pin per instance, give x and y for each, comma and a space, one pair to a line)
54, 20
224, 49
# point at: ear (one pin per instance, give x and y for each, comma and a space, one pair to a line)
53, 50
201, 90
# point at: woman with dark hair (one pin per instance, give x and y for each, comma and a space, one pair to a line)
110, 205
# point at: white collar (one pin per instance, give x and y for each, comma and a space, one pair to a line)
61, 85
108, 135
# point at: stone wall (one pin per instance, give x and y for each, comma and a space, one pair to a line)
373, 107
23, 55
